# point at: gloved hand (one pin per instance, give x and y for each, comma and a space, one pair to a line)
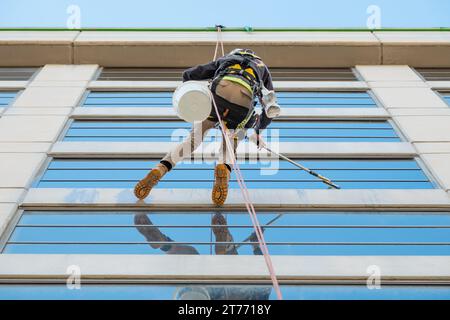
258, 140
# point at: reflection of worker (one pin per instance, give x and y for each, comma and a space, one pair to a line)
222, 234
237, 79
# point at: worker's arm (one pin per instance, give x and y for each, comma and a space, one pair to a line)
200, 72
264, 120
267, 78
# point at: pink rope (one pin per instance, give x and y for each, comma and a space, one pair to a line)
219, 40
243, 187
249, 205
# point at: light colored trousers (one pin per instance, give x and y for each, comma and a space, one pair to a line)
230, 91
194, 140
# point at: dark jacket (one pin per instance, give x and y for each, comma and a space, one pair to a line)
208, 71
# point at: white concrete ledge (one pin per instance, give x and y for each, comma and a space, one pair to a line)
432, 147
270, 199
439, 84
38, 111
286, 113
420, 112
25, 147
13, 85
159, 38
278, 85
2, 110
204, 267
11, 195
7, 211
179, 49
83, 149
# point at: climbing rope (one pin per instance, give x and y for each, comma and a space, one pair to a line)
219, 41
245, 193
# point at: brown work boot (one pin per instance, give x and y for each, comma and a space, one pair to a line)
220, 188
144, 186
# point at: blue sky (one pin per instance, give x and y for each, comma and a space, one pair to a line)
204, 13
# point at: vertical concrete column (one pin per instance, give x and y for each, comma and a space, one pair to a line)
30, 126
419, 112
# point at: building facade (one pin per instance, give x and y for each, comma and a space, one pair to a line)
85, 114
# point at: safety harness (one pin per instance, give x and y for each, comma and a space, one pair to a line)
240, 68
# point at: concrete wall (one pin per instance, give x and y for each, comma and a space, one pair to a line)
180, 49
31, 124
28, 136
418, 110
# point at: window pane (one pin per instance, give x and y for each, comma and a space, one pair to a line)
446, 96
221, 292
348, 173
231, 232
6, 97
285, 99
284, 131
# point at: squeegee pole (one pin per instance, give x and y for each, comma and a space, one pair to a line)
298, 165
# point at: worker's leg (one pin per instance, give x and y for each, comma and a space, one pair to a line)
222, 234
181, 151
189, 145
223, 169
153, 234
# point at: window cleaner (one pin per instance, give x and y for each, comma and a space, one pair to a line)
236, 81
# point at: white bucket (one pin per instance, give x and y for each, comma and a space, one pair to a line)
192, 101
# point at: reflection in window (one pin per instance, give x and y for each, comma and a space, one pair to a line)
230, 233
263, 174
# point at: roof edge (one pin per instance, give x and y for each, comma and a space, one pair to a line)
234, 29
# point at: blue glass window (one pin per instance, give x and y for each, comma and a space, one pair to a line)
283, 131
6, 97
221, 292
194, 232
348, 173
286, 99
446, 96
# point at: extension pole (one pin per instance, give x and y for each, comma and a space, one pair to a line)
311, 172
